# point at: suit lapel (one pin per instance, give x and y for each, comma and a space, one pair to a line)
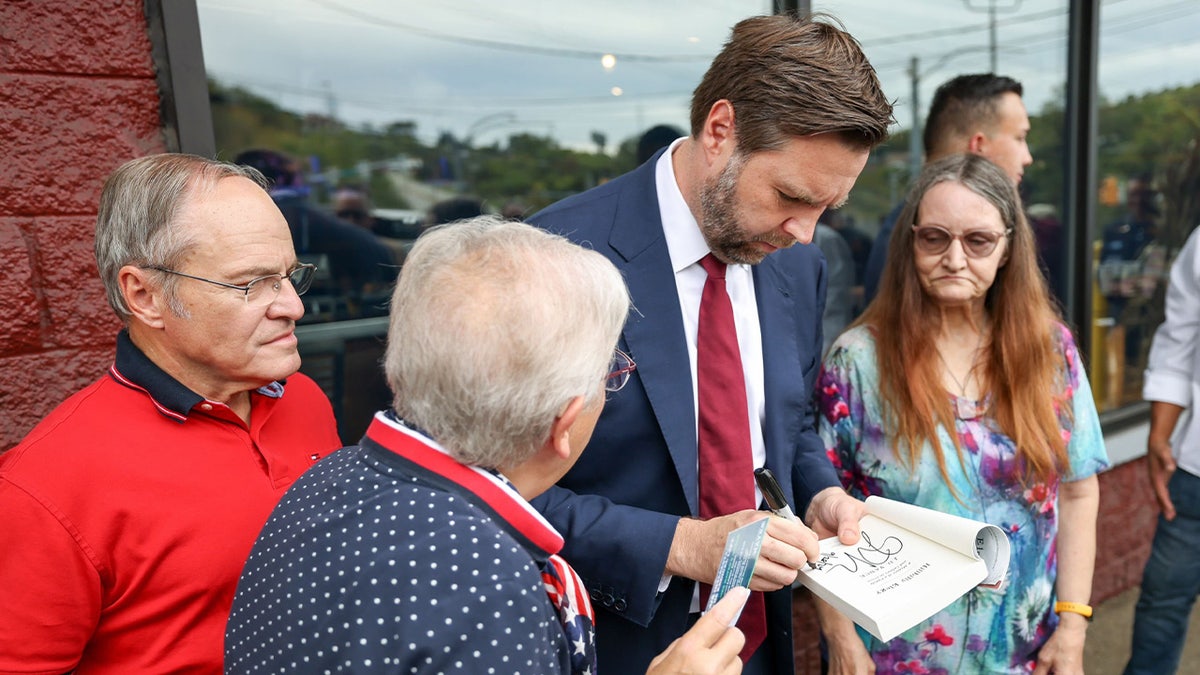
781, 357
654, 332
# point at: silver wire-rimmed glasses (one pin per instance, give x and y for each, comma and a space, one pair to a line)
261, 291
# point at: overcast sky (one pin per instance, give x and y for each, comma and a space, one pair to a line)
490, 69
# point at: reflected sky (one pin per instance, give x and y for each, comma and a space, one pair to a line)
485, 70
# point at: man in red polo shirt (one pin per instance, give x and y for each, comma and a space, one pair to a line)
128, 512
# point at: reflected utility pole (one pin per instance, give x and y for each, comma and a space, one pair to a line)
991, 12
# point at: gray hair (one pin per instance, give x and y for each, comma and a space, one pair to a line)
495, 326
139, 207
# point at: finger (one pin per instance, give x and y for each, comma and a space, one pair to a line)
730, 644
773, 575
714, 622
790, 553
792, 532
1163, 496
849, 512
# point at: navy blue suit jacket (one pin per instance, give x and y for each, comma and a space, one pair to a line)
619, 506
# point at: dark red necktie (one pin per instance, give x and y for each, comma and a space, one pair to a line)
726, 461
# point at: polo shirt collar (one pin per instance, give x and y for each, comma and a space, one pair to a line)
134, 369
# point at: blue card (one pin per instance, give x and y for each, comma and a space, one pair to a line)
738, 561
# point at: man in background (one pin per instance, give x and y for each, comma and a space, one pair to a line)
981, 114
1171, 579
129, 511
727, 336
360, 268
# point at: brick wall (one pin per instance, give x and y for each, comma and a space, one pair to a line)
77, 98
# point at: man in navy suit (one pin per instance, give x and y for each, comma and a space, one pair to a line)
781, 127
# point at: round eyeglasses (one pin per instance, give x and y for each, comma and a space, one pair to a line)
934, 240
618, 372
261, 291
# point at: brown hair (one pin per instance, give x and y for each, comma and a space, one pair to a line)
789, 76
1023, 367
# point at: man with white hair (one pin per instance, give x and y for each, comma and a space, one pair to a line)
129, 511
417, 550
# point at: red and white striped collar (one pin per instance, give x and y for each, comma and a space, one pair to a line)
493, 490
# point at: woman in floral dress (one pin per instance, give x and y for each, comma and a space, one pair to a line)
960, 390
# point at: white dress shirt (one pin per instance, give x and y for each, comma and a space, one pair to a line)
686, 247
1173, 371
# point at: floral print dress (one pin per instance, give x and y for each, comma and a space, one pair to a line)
985, 631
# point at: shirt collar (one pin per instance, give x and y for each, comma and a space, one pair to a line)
134, 369
487, 489
685, 243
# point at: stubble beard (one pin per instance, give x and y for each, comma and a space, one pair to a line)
720, 223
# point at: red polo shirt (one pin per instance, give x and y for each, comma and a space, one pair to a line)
126, 516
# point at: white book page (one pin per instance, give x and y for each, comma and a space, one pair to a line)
969, 537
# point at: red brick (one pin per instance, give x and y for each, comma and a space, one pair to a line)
96, 37
63, 135
1127, 518
20, 327
31, 386
79, 314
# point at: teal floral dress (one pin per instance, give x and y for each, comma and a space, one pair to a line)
985, 631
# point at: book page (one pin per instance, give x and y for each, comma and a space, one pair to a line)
969, 537
896, 576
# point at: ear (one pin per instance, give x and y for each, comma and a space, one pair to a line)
977, 142
560, 430
717, 134
143, 297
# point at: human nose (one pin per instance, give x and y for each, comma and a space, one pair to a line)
287, 304
955, 256
801, 228
1027, 158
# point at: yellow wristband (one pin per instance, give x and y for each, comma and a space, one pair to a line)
1074, 607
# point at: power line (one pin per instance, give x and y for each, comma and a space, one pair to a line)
376, 20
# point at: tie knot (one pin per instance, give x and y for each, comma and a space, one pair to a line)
714, 267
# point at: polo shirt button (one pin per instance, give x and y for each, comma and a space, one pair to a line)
206, 406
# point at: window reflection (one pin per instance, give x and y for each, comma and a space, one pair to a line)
395, 115
1149, 170
389, 108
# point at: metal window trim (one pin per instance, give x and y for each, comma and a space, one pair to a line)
174, 30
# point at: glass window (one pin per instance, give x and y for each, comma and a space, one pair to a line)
1148, 166
923, 46
378, 117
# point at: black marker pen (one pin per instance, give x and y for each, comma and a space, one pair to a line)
773, 495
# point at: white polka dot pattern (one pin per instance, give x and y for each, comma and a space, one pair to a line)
365, 567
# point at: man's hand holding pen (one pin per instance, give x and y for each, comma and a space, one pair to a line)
698, 544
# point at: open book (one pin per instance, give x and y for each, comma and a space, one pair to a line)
911, 563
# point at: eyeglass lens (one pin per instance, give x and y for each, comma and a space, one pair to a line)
264, 290
619, 370
936, 240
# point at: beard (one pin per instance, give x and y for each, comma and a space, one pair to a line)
719, 219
